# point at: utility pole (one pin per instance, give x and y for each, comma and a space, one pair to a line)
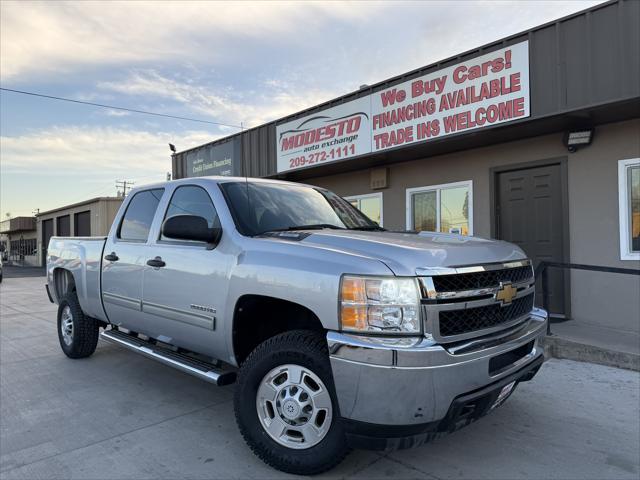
123, 185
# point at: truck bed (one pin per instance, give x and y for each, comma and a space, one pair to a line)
82, 256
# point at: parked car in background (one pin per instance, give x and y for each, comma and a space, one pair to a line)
337, 333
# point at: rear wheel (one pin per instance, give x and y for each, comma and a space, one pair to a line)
77, 333
286, 406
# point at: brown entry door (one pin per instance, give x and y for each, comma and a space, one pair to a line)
530, 214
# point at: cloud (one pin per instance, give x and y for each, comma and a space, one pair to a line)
57, 37
276, 98
375, 38
78, 150
116, 113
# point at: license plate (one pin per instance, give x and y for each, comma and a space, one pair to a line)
504, 394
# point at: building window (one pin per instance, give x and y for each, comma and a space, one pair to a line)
629, 208
369, 204
22, 248
441, 208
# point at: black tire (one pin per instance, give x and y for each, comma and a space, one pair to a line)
307, 349
84, 338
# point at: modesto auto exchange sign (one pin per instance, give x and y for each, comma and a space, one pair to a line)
481, 92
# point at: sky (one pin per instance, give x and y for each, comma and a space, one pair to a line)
242, 63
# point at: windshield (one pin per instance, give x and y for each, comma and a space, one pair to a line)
274, 207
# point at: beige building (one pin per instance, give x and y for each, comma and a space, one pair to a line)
18, 241
84, 219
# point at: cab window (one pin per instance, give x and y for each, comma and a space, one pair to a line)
138, 217
192, 200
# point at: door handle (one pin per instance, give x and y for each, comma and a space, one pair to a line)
156, 262
112, 257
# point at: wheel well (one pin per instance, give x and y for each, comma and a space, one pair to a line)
257, 318
63, 282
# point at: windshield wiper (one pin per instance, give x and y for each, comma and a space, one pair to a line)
373, 228
314, 226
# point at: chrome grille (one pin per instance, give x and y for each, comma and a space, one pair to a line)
467, 302
476, 280
458, 322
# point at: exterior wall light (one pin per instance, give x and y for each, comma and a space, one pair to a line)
579, 138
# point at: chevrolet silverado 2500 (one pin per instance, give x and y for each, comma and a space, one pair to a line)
338, 333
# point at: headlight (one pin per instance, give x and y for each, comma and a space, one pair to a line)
380, 305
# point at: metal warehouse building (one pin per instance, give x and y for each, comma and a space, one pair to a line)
82, 219
534, 139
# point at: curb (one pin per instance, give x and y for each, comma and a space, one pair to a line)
558, 347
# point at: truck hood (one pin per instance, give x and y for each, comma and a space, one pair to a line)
403, 253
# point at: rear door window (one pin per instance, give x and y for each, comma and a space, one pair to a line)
138, 218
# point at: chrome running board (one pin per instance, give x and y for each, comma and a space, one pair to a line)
216, 374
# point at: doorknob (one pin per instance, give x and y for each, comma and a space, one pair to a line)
156, 262
112, 257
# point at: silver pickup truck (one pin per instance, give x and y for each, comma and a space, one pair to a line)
338, 333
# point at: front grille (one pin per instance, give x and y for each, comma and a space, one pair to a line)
476, 280
457, 322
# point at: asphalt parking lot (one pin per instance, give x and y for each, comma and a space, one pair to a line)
118, 415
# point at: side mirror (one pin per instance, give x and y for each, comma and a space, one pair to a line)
190, 227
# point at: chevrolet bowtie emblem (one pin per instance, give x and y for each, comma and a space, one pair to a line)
506, 293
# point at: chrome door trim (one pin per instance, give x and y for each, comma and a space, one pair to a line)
122, 301
183, 316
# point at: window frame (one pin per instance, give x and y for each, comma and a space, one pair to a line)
117, 237
369, 195
624, 208
185, 243
438, 189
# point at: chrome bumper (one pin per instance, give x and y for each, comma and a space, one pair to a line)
391, 381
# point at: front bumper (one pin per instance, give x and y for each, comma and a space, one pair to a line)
404, 389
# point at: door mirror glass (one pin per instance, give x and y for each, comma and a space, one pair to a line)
190, 227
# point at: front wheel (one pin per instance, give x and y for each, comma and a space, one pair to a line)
77, 333
286, 407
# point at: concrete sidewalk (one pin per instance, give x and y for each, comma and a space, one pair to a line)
118, 415
575, 340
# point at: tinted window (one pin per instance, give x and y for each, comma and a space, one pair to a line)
276, 206
139, 215
192, 200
